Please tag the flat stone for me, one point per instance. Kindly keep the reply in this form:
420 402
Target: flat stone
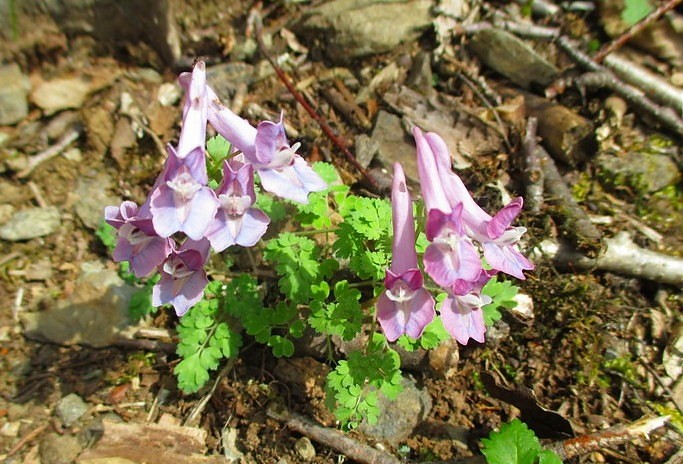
70 408
31 223
59 449
399 418
643 172
91 198
60 94
94 314
393 144
349 29
14 87
513 58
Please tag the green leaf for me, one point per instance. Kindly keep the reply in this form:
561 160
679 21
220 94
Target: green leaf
297 260
108 235
502 294
218 148
635 10
343 317
513 444
275 209
548 457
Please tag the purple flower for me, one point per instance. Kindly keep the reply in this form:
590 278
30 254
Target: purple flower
451 256
137 242
282 171
195 111
463 317
237 221
497 237
182 202
406 307
183 278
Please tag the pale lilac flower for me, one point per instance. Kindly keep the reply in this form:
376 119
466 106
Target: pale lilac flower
182 202
282 171
183 278
497 237
463 317
138 242
406 307
195 112
237 222
451 256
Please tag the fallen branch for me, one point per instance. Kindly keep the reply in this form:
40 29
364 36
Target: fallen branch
331 438
574 223
533 174
635 29
621 256
651 83
61 145
578 446
601 77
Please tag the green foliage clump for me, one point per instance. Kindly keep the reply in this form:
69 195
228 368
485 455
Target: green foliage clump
502 294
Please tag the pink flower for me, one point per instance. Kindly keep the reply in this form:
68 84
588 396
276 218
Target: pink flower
451 255
405 307
183 278
237 222
496 235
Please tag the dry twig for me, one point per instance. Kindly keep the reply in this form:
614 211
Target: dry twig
597 441
331 438
622 256
61 145
309 109
635 29
533 174
574 222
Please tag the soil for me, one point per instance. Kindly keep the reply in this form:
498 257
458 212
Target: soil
593 351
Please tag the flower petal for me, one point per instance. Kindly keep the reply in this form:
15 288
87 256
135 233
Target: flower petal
503 218
463 318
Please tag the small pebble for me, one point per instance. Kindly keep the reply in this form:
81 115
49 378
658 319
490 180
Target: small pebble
677 79
168 94
70 409
305 449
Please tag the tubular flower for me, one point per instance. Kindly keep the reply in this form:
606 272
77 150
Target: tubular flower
237 222
137 242
195 113
405 307
183 278
282 171
182 202
496 235
451 256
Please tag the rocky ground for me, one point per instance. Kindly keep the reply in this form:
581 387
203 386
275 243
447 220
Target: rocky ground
88 100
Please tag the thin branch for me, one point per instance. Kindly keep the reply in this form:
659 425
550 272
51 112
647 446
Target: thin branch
61 145
309 109
533 173
620 256
331 438
578 446
634 30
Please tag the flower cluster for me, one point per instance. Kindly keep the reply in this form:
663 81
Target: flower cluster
458 231
183 218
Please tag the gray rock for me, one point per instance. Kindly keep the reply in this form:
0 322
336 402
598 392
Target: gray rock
643 172
355 28
31 223
60 94
91 198
94 315
305 449
399 418
70 408
14 88
513 58
6 212
394 145
59 449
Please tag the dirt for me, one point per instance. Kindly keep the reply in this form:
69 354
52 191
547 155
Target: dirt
582 320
